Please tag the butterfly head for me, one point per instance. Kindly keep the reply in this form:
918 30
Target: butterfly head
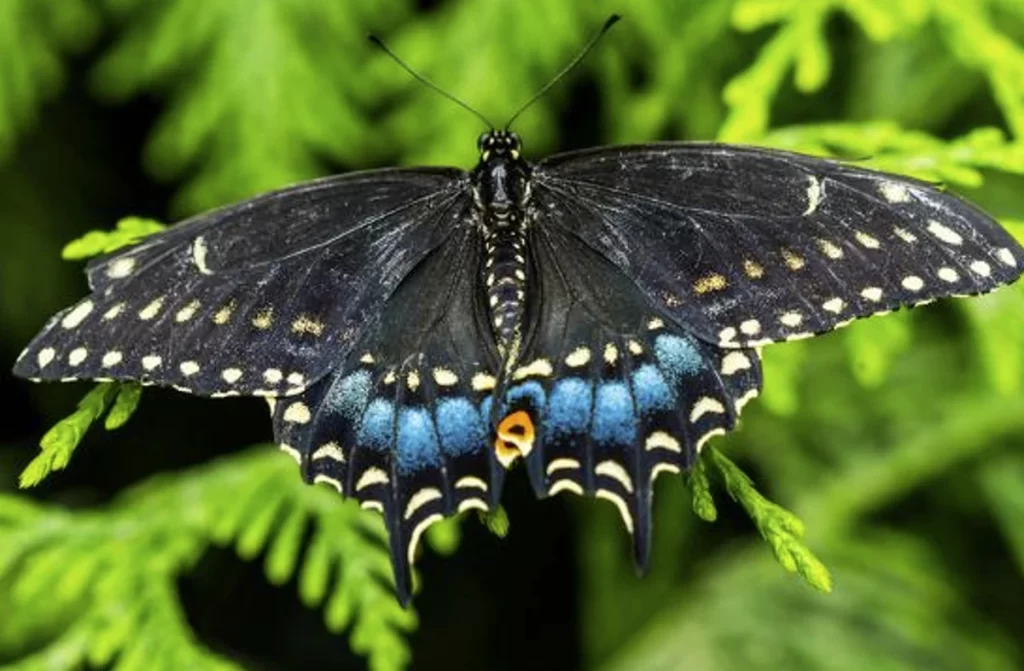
501 143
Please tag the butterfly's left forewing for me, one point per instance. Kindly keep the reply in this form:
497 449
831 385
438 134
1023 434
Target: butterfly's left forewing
748 246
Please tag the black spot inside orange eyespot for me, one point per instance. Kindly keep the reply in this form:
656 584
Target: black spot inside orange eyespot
515 436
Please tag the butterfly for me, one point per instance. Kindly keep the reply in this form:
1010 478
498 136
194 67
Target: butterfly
597 315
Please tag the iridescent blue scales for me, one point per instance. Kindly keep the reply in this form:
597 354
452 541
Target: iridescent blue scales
594 316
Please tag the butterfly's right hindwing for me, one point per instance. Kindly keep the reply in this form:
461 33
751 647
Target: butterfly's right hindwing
260 298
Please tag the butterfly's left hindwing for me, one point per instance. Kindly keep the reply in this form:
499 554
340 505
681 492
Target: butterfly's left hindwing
403 425
260 298
748 246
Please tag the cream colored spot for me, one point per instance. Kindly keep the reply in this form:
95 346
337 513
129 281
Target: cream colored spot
297 413
793 260
663 468
470 482
231 375
330 451
370 504
389 377
307 325
611 354
912 283
472 504
944 233
264 319
753 269
113 312
151 361
187 312
706 405
367 359
873 294
635 348
726 336
45 356
981 268
742 401
830 249
799 336
420 499
947 274
894 192
905 235
77 356
151 310
75 317
296 379
111 358
565 486
224 314
814 194
655 324
320 477
866 240
1006 256
189 368
121 267
709 283
291 452
412 380
273 376
620 503
445 378
520 275
791 319
417 532
199 252
733 362
663 441
708 436
615 471
370 477
578 357
537 367
562 463
834 305
483 382
750 327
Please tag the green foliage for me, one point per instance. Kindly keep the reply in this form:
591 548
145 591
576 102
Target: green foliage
885 437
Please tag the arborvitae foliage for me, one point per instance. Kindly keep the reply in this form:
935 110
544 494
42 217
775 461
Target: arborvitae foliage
896 441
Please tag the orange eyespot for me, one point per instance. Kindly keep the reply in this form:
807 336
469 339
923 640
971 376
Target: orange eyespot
515 437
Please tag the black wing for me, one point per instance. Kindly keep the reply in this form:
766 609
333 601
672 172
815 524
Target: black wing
748 246
263 297
403 424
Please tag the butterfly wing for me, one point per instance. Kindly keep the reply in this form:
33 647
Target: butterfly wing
748 246
615 395
263 297
403 424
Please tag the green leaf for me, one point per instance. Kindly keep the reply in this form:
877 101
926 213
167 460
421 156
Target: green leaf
128 231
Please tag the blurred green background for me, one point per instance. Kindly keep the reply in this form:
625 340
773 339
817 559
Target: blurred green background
183 542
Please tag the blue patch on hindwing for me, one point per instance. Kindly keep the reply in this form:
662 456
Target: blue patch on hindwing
614 419
348 397
530 391
377 428
677 357
417 442
460 426
651 391
569 407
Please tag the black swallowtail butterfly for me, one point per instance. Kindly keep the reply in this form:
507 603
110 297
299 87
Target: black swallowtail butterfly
597 314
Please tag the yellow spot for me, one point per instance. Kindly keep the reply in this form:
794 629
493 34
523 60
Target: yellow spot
75 317
413 380
912 283
414 538
948 275
264 319
750 327
291 452
121 267
272 376
560 464
113 312
615 471
45 356
77 356
224 314
791 319
296 379
753 269
659 440
565 486
308 325
151 310
578 357
189 368
708 436
746 398
111 358
834 305
420 499
709 283
389 377
470 482
445 378
706 405
620 503
231 375
830 249
733 362
1006 256
793 261
199 252
813 195
320 477
536 368
663 468
867 240
514 439
905 235
483 382
611 353
297 413
944 233
370 477
367 359
635 348
873 294
472 504
151 361
655 324
981 268
894 192
187 312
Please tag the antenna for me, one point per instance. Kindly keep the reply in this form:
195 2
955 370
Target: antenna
612 20
426 82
